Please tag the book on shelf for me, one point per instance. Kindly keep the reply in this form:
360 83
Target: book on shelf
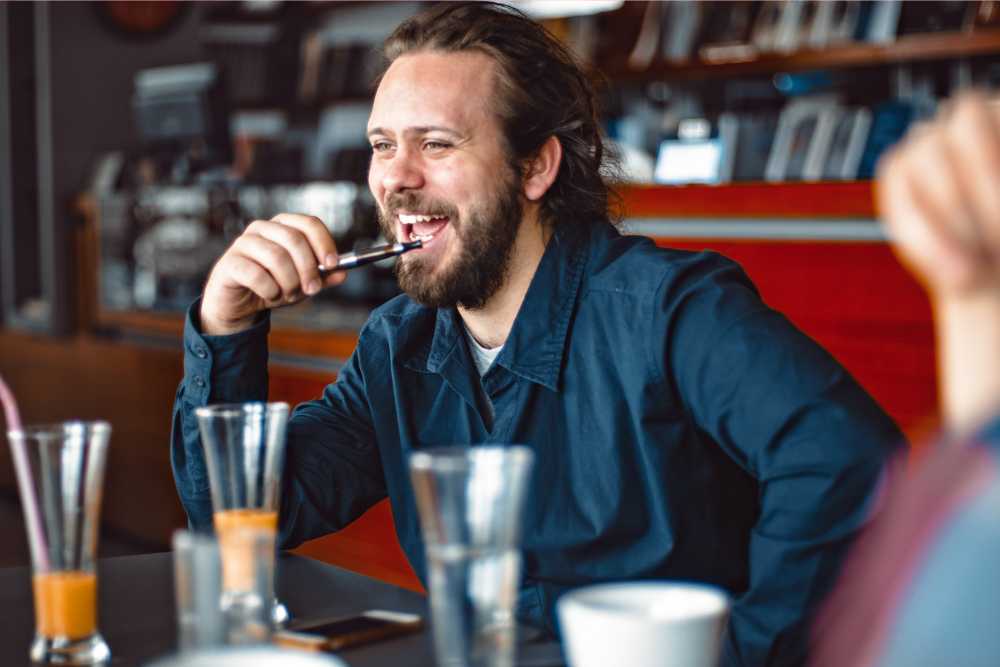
729 126
833 22
802 140
881 21
800 24
754 136
890 120
764 36
643 51
726 29
796 16
847 144
681 29
936 16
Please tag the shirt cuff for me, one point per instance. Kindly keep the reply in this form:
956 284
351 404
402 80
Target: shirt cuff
231 368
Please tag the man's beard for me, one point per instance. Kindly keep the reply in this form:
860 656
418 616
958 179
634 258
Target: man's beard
485 237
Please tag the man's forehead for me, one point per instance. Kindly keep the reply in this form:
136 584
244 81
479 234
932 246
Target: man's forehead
434 90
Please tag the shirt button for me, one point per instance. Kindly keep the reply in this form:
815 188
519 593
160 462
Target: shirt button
200 352
199 381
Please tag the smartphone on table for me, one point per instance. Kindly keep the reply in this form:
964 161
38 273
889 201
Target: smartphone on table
334 634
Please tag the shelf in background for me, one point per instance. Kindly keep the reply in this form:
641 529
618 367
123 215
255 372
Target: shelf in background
910 48
822 200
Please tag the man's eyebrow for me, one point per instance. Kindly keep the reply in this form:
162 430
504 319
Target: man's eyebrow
417 130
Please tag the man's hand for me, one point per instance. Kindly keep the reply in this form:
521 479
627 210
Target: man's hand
939 195
273 263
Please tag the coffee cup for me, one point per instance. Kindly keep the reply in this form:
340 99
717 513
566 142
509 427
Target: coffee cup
643 624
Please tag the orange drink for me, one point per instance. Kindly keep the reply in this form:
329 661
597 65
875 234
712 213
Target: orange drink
234 528
65 604
244 445
63 461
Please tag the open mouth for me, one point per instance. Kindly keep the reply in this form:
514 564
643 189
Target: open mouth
421 226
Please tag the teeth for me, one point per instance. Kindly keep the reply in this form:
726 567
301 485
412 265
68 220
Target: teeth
412 219
421 237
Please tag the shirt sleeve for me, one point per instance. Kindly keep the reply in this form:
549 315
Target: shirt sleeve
786 412
217 369
332 470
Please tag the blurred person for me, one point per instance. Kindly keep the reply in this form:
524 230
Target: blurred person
923 586
681 428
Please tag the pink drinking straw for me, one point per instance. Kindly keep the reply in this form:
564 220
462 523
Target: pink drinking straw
28 499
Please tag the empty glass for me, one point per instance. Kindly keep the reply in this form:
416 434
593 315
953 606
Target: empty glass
197 591
244 446
470 502
61 474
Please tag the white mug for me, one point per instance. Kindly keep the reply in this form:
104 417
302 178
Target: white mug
643 624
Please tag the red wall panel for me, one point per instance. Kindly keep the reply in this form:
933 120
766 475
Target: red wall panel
858 302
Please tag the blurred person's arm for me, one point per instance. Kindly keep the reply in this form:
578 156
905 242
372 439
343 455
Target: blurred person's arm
939 195
921 587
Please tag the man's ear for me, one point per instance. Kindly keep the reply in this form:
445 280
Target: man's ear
541 170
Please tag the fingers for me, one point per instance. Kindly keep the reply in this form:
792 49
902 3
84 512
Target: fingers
974 134
275 260
937 184
252 276
273 263
916 237
321 243
939 194
289 249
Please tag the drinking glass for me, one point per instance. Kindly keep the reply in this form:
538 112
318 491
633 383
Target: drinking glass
244 446
61 474
197 591
470 501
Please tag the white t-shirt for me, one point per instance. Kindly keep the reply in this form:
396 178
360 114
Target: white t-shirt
482 356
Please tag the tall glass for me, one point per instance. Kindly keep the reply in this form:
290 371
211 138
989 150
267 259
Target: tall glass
244 446
470 502
61 471
202 623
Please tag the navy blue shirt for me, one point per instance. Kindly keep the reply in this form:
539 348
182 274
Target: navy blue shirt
681 429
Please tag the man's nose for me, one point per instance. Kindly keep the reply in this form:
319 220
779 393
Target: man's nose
402 172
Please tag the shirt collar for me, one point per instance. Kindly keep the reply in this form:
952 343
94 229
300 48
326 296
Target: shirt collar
535 347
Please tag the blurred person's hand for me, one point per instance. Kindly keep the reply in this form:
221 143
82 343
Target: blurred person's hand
939 194
273 263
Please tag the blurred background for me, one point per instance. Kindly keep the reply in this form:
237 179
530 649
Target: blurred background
137 139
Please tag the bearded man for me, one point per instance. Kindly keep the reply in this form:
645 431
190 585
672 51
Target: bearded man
681 428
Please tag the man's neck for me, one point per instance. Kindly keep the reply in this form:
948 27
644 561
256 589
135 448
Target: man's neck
491 324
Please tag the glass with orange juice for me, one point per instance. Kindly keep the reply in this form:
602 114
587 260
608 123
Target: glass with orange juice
60 469
244 445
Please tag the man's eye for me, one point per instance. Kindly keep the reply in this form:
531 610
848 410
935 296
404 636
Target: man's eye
436 145
381 146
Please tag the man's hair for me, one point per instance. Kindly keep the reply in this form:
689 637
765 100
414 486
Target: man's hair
542 92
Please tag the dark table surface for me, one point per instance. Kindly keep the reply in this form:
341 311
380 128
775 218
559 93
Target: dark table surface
136 612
